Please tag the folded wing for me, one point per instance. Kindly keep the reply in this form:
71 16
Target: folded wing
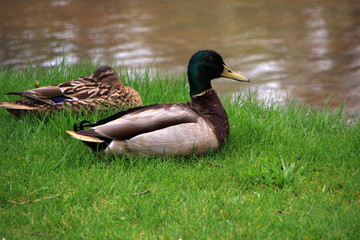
43 94
75 89
141 120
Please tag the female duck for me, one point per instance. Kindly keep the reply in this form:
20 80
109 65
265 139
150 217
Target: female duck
175 129
102 90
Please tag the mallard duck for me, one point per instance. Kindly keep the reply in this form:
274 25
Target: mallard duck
102 90
175 129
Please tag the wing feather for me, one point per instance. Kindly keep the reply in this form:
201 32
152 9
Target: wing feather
144 120
81 88
43 94
70 89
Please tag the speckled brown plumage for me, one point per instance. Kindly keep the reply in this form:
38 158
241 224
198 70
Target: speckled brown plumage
103 90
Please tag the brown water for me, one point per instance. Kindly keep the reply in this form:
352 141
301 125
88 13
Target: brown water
303 49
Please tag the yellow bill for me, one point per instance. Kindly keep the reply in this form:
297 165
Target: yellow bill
228 73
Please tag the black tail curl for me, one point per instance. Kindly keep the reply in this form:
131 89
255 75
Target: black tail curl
97 147
80 126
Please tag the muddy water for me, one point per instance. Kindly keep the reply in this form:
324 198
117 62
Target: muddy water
303 49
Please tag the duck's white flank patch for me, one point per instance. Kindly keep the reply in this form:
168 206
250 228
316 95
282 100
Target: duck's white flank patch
180 139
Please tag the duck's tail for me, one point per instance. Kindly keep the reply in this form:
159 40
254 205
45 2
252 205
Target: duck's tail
84 137
96 142
14 106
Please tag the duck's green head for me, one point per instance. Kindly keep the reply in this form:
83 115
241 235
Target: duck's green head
206 65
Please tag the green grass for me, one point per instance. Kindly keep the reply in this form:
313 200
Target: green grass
286 172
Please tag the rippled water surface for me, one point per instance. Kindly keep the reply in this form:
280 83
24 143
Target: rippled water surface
303 49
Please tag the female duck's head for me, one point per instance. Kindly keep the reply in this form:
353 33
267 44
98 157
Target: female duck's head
106 74
206 65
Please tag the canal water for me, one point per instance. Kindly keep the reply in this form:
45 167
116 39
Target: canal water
307 50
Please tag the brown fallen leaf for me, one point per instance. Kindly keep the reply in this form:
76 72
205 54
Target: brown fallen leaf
37 200
281 211
42 234
141 193
213 164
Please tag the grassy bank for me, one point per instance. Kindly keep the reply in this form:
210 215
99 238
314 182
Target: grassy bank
285 172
